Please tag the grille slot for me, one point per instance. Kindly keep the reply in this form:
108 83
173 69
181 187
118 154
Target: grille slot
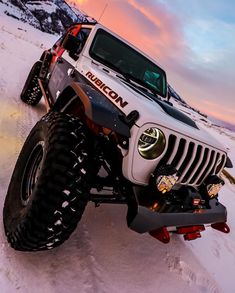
186 160
169 151
194 161
192 168
201 167
179 153
208 167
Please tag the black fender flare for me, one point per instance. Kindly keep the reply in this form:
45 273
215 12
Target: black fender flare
228 163
96 106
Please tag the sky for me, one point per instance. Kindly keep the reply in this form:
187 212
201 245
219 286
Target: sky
194 41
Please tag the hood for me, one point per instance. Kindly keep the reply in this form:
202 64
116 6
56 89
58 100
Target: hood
127 99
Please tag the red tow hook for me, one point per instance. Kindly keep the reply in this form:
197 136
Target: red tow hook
222 227
161 234
191 232
192 236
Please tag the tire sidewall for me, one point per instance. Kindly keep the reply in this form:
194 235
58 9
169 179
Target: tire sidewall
13 202
61 191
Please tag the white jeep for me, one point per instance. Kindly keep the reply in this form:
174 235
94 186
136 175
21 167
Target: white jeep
110 136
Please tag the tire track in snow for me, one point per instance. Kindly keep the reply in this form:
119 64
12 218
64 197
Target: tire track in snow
94 282
189 269
73 267
21 37
192 277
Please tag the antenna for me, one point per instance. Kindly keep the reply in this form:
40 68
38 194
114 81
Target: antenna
102 13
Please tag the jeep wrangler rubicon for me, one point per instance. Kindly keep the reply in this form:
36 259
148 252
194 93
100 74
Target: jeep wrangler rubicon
110 136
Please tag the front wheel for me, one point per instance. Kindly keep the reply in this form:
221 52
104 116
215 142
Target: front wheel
49 187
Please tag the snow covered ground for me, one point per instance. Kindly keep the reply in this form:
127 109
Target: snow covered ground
103 255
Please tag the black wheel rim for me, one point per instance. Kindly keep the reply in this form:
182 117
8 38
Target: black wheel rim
31 173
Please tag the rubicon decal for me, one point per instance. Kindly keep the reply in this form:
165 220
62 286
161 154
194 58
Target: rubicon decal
106 90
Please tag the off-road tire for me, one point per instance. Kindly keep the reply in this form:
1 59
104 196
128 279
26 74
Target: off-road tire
31 93
45 218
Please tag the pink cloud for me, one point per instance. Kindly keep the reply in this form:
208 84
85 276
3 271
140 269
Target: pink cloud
150 26
169 35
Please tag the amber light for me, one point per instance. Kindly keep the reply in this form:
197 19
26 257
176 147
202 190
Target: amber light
165 183
154 206
213 186
213 189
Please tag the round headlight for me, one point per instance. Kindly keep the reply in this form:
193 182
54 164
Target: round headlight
151 143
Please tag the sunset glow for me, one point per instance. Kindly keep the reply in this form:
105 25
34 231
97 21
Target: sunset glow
194 44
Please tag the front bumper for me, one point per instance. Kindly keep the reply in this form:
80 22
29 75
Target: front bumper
141 218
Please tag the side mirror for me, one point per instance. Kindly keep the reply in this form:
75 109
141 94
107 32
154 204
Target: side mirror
73 45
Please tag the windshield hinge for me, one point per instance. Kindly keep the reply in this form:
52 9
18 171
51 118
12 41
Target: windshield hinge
131 118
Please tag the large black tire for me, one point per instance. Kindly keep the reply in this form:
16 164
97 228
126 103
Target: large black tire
49 187
31 93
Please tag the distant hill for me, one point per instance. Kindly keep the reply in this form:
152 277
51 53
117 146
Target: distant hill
51 16
177 97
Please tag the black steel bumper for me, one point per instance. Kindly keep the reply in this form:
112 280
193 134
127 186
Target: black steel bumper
143 219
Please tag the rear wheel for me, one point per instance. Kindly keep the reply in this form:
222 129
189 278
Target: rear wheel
31 93
49 187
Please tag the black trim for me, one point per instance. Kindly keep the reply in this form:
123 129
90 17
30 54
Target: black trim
131 118
229 163
101 111
141 218
83 23
97 108
173 112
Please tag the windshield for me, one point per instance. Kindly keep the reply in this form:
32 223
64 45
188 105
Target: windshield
114 53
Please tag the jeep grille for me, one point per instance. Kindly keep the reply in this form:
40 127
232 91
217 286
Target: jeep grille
193 160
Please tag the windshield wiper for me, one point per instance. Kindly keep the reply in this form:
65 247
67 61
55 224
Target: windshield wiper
141 83
130 78
133 80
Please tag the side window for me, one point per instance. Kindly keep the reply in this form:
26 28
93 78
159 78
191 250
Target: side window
57 48
77 42
82 37
73 31
83 34
74 48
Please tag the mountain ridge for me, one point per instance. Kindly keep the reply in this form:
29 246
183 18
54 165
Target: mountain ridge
50 16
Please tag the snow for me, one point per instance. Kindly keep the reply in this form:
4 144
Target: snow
102 255
19 13
47 6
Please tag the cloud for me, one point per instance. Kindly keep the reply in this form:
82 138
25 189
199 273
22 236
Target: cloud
149 25
167 26
218 110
